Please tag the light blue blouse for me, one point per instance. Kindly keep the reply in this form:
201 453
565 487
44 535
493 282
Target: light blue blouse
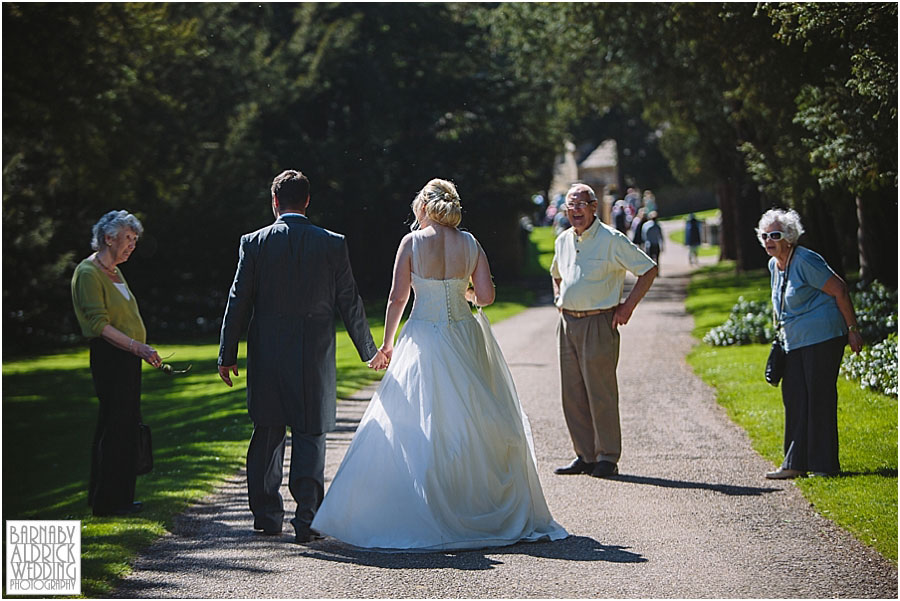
810 315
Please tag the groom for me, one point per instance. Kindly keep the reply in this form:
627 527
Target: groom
290 277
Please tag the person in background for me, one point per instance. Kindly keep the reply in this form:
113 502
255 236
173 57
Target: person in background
620 216
649 201
692 237
818 321
653 237
637 235
108 314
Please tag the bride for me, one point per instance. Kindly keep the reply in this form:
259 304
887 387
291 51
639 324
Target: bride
443 457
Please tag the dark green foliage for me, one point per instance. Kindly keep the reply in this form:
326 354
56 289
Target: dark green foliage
183 114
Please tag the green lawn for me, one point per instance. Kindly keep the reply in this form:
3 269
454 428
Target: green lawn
864 498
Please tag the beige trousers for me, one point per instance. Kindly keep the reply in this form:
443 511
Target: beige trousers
588 354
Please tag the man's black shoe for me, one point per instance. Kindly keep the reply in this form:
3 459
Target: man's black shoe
267 530
605 469
579 466
308 536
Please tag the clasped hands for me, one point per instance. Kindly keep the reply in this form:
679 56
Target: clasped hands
382 358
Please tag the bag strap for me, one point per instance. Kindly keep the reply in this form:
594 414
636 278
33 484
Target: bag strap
777 318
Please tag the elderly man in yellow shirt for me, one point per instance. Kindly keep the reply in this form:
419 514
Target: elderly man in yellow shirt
588 273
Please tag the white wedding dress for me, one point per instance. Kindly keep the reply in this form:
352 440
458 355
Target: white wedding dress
443 457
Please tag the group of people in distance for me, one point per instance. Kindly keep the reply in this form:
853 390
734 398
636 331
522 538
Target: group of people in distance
443 457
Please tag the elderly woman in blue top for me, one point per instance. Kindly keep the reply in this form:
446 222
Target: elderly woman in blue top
818 321
108 315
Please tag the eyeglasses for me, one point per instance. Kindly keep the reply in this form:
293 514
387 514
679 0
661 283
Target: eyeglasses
577 205
773 236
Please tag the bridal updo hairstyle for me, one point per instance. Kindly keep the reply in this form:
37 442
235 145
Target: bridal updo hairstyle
440 201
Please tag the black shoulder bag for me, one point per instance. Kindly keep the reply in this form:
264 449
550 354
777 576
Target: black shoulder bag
777 355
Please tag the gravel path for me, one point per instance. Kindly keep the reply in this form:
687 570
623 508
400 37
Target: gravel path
690 516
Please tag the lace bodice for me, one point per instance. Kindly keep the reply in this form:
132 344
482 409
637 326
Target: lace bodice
441 300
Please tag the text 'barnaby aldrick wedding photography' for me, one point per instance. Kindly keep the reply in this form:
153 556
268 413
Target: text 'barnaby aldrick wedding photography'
43 557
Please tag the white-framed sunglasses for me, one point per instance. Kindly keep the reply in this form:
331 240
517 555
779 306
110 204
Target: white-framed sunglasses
578 205
773 236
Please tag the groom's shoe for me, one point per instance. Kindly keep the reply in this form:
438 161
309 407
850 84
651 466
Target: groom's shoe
308 535
269 530
579 466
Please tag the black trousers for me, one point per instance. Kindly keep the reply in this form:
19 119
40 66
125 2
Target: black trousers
265 466
117 383
809 393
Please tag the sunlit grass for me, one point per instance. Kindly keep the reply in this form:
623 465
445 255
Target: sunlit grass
864 498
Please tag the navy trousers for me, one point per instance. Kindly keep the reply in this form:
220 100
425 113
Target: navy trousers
306 479
809 393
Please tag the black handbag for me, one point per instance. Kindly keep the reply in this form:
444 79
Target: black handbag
775 363
144 460
777 355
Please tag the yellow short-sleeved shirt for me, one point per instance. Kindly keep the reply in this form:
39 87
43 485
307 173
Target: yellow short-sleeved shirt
592 267
97 303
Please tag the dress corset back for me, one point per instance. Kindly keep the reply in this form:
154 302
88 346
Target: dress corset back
440 301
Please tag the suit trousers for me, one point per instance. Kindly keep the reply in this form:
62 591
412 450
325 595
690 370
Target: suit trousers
809 394
117 382
265 467
588 355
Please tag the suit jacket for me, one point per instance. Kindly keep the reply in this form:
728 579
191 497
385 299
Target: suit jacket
290 277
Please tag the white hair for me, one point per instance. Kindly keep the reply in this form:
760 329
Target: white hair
110 225
578 188
788 220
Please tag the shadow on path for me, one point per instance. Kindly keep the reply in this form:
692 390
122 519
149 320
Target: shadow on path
573 548
727 489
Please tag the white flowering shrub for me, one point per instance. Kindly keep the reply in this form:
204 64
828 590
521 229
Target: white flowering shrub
876 311
749 322
875 366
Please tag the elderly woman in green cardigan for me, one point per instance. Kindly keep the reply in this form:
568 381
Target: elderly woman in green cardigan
108 315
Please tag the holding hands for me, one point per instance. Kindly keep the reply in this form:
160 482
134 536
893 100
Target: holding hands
382 358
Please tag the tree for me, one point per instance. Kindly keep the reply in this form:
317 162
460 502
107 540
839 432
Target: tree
183 114
849 114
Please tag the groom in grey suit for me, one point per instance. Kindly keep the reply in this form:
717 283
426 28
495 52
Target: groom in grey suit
290 277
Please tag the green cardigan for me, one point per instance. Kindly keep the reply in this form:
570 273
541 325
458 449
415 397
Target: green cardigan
98 302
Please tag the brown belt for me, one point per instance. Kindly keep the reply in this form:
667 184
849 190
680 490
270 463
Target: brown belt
580 314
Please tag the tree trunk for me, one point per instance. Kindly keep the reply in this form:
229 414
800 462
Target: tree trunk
750 254
726 198
877 234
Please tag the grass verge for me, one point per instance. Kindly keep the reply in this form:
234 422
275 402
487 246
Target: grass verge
864 498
